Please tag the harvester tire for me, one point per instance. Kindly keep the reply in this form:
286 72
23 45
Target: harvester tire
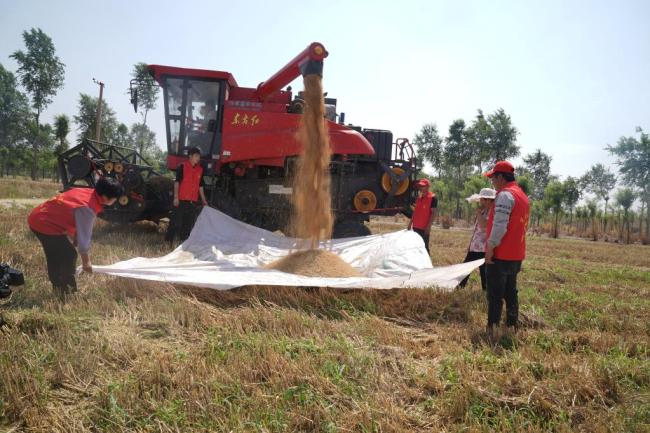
350 229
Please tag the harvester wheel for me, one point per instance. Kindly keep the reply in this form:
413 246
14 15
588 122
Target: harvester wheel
365 201
349 229
387 182
123 200
108 166
118 167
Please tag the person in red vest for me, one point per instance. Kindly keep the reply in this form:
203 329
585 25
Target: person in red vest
506 244
64 225
188 188
424 212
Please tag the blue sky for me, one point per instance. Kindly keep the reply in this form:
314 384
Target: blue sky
574 75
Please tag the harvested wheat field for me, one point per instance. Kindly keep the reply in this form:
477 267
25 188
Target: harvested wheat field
123 356
314 263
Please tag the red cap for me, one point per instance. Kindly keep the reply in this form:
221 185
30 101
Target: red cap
500 167
422 182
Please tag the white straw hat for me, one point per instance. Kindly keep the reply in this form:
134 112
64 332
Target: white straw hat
485 193
488 193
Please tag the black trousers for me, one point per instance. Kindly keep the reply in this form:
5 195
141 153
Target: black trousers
502 285
470 257
425 238
182 220
61 257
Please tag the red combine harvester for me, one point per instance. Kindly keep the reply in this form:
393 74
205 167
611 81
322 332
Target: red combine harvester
249 147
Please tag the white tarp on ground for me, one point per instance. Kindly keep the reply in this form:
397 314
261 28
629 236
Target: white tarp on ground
223 253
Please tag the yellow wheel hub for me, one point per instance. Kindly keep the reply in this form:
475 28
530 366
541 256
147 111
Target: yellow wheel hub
387 183
123 201
365 200
108 166
119 167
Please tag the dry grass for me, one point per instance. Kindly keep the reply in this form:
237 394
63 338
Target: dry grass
131 356
22 188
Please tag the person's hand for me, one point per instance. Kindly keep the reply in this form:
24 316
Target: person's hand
489 254
87 267
205 202
410 226
176 202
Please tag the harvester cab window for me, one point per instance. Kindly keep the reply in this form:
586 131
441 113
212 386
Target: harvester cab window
174 104
193 107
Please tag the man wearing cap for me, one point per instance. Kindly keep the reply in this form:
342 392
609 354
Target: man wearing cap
476 249
188 188
424 211
506 244
64 225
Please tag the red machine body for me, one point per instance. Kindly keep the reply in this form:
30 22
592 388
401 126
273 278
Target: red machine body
256 127
248 142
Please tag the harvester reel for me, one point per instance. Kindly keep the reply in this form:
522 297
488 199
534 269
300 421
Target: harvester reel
132 179
79 166
365 201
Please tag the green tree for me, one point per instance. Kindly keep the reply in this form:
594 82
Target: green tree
478 135
41 74
600 181
502 144
473 185
625 198
457 156
14 117
61 131
86 119
46 162
538 164
121 136
146 88
429 146
633 159
592 213
554 197
525 182
144 139
572 193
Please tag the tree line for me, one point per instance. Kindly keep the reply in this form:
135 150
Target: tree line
597 204
27 145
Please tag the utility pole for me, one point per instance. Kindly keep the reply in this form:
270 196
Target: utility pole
98 126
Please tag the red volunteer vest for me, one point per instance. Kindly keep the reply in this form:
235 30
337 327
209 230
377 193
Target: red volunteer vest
56 216
513 244
422 211
188 189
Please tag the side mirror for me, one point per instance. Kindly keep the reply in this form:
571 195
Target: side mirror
134 98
